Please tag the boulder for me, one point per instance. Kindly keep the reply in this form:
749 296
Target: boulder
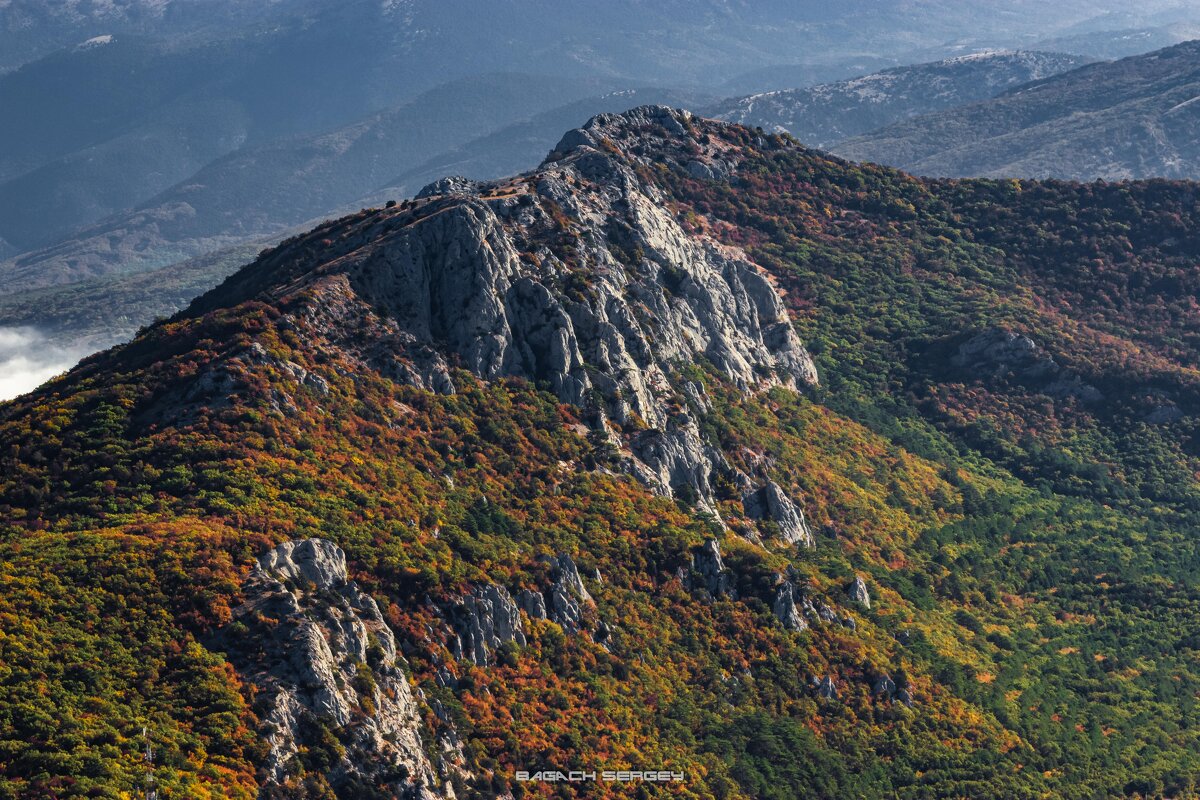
770 502
708 568
859 593
785 607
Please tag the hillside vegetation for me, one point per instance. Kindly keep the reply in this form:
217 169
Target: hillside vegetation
1001 446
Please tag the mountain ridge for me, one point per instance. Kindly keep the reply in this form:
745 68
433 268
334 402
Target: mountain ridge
1119 120
823 115
545 425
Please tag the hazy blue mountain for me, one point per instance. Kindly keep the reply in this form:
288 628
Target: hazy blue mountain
1132 118
130 97
30 29
666 39
255 191
1109 44
825 114
778 77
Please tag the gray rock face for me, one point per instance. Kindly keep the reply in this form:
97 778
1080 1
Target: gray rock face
710 572
1163 414
772 503
1004 350
679 461
451 184
477 277
826 688
532 603
567 595
785 608
319 652
859 593
568 577
884 687
602 634
316 562
484 620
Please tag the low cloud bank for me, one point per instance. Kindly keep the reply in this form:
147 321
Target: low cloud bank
28 359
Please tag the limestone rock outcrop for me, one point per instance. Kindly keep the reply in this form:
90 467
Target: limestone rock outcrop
576 276
884 687
859 593
567 595
825 688
320 654
785 608
533 603
1001 353
770 502
484 620
710 573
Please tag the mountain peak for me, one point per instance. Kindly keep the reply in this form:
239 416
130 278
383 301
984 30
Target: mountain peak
614 126
660 137
576 276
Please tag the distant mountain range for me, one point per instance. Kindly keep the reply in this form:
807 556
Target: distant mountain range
1133 118
822 115
261 189
114 277
97 284
667 40
1109 44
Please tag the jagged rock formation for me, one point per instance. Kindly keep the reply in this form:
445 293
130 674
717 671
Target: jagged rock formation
710 573
884 687
785 608
484 620
825 688
859 593
320 654
575 276
771 503
452 758
568 595
602 634
533 603
451 184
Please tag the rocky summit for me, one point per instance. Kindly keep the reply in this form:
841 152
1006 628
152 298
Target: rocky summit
469 276
691 451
